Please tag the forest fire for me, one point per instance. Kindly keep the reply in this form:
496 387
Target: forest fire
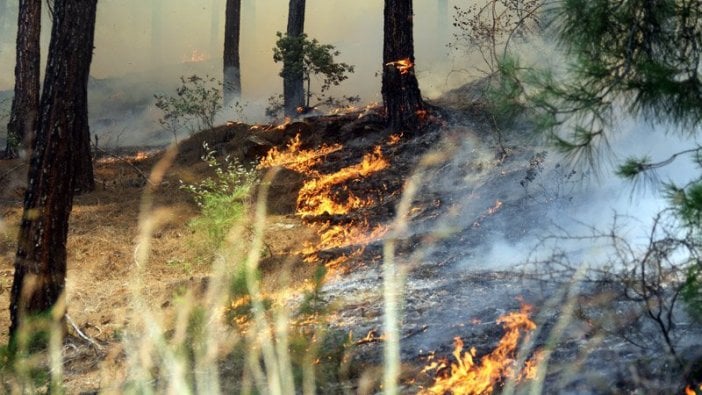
468 377
296 159
403 65
342 236
317 196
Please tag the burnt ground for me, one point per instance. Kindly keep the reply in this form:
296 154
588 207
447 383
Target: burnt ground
477 213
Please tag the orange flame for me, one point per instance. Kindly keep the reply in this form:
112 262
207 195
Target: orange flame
316 195
340 236
469 377
691 391
294 158
403 65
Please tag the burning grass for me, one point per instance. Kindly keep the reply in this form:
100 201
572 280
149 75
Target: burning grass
470 377
317 195
293 157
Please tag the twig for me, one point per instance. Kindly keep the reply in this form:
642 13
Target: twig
81 334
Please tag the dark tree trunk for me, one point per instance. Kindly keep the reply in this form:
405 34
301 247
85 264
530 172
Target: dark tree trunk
40 264
403 103
232 71
25 104
293 82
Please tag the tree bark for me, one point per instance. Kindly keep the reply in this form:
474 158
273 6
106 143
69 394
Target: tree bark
232 70
293 79
402 99
40 263
25 104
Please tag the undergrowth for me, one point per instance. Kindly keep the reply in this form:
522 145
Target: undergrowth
223 200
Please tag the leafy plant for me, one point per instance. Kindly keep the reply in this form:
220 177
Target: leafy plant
312 59
222 199
194 107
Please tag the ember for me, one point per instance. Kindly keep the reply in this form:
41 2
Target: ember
469 377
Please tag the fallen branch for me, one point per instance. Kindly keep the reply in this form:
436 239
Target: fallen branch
83 335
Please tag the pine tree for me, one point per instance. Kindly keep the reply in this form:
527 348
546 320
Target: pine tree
232 67
40 264
25 104
401 96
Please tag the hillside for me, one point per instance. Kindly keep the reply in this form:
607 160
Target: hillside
334 203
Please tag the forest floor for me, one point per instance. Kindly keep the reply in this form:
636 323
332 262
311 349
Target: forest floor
473 191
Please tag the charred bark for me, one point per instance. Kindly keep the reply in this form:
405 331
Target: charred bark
232 69
293 78
402 99
40 263
25 104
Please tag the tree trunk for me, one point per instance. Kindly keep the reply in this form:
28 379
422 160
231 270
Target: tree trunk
293 84
40 264
232 71
25 104
401 97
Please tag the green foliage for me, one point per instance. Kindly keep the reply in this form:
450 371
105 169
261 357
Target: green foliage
194 107
692 290
307 57
222 199
312 302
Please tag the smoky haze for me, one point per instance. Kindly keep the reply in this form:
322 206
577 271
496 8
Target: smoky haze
136 36
143 47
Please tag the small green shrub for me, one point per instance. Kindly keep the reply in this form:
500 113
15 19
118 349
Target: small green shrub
222 199
194 107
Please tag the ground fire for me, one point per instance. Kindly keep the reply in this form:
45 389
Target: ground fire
317 195
470 377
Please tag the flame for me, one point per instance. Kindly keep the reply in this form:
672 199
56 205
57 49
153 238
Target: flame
341 236
294 158
317 197
403 65
469 377
691 391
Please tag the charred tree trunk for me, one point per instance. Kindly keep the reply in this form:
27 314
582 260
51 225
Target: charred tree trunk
293 79
232 70
25 104
401 97
40 264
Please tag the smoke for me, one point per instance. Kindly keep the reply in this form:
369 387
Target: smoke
141 48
